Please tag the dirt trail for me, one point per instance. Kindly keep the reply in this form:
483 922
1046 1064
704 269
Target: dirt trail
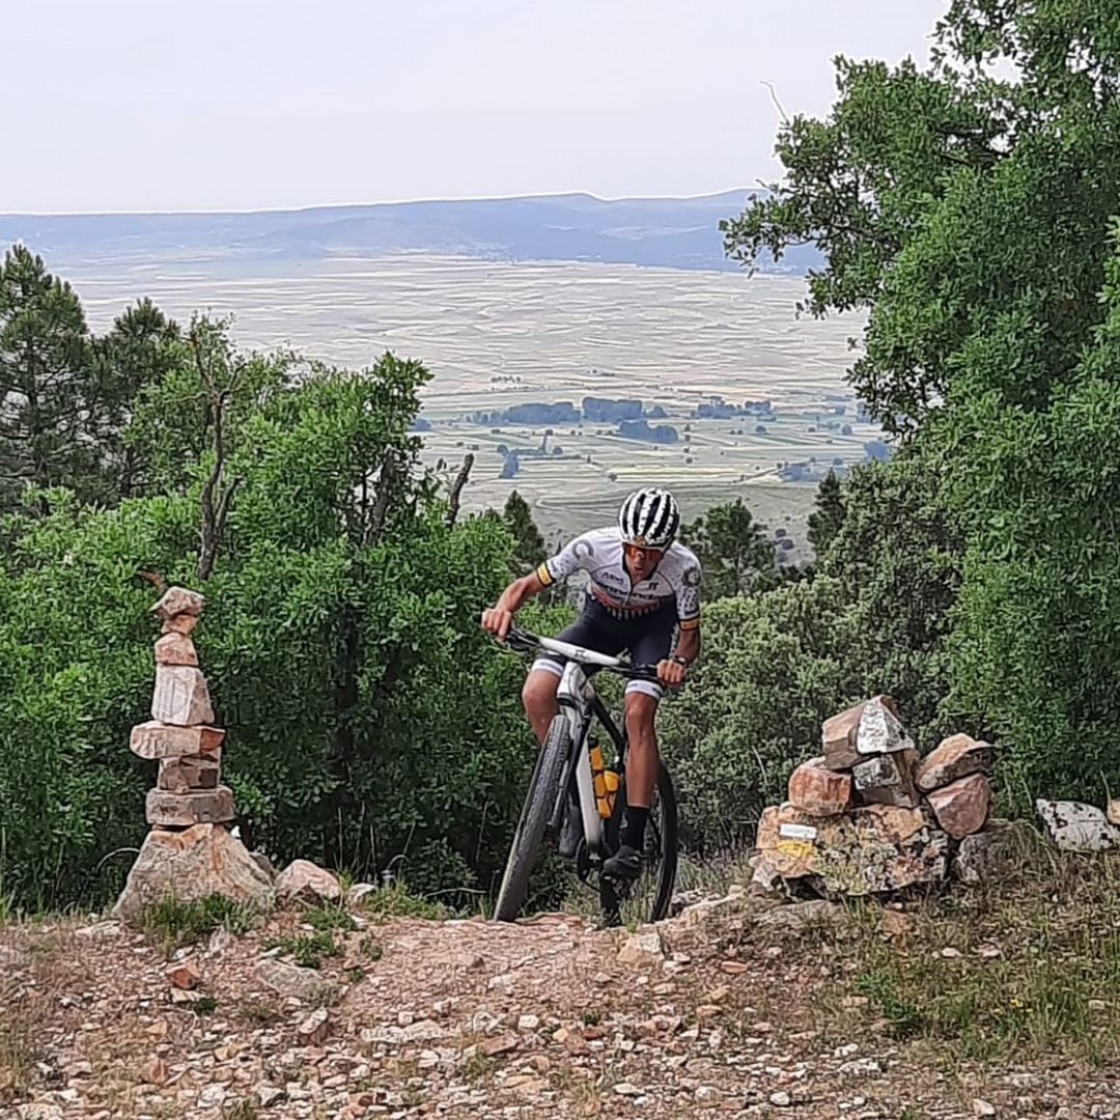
713 1014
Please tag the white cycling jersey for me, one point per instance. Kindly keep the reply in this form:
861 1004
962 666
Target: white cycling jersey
600 554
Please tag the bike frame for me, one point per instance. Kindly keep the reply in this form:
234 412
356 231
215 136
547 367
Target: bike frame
578 702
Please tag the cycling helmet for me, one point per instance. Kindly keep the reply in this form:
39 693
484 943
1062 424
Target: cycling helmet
649 518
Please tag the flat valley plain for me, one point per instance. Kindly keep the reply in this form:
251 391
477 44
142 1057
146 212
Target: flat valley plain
497 334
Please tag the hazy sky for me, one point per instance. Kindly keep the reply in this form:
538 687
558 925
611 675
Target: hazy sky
246 104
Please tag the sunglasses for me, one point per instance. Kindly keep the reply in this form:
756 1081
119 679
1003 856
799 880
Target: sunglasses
639 550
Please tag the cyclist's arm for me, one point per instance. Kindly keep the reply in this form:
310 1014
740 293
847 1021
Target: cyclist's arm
499 618
519 592
688 644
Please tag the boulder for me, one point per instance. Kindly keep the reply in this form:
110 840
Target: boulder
182 810
840 733
304 880
870 850
154 739
1076 827
175 649
181 775
181 696
177 601
191 865
818 791
985 856
888 779
963 806
953 758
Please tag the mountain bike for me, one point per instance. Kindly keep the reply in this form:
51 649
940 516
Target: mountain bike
569 796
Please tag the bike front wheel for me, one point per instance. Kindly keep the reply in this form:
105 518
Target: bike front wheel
540 800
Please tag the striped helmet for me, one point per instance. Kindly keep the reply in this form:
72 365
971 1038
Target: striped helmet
649 518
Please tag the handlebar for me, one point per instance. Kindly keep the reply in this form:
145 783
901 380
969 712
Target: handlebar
523 641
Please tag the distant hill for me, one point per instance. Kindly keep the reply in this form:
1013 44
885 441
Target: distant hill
666 232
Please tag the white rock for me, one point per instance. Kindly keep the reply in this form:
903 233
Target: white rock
880 731
1077 827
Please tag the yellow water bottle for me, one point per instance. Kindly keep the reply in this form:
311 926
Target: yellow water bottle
599 780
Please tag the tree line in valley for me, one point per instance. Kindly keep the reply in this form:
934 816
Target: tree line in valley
969 207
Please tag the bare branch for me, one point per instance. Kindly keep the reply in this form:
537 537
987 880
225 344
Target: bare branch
457 489
777 103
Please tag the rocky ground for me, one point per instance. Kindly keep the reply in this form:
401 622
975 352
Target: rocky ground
742 1007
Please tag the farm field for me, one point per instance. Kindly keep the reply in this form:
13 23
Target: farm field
496 335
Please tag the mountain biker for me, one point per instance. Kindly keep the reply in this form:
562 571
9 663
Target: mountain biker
644 590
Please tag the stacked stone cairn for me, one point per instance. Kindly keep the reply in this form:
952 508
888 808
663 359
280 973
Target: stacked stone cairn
869 816
188 852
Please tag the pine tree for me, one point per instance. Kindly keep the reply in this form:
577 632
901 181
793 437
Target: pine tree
827 518
45 437
530 550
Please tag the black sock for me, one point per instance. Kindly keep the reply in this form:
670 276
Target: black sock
633 831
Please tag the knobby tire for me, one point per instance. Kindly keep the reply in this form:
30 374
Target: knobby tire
539 803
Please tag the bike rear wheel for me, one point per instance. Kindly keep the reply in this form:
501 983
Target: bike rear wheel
649 897
540 800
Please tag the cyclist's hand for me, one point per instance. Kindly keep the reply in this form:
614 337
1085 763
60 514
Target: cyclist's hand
671 673
497 622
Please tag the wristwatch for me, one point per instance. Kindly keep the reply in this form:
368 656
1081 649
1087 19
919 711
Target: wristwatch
680 660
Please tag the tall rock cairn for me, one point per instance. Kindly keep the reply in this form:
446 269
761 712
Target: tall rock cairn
188 853
181 734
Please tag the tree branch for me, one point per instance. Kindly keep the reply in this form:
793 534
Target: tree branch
457 489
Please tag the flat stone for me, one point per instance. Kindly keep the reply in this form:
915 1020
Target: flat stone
181 696
642 948
888 779
306 984
1077 827
175 649
181 775
963 806
182 810
179 600
953 758
189 866
798 916
819 791
868 850
314 1029
303 879
839 734
155 739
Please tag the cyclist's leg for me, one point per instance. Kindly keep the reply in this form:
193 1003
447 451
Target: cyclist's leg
653 643
594 629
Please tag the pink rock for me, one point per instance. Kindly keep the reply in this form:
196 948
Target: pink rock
818 791
175 648
154 739
181 775
955 757
181 696
182 810
179 600
962 807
